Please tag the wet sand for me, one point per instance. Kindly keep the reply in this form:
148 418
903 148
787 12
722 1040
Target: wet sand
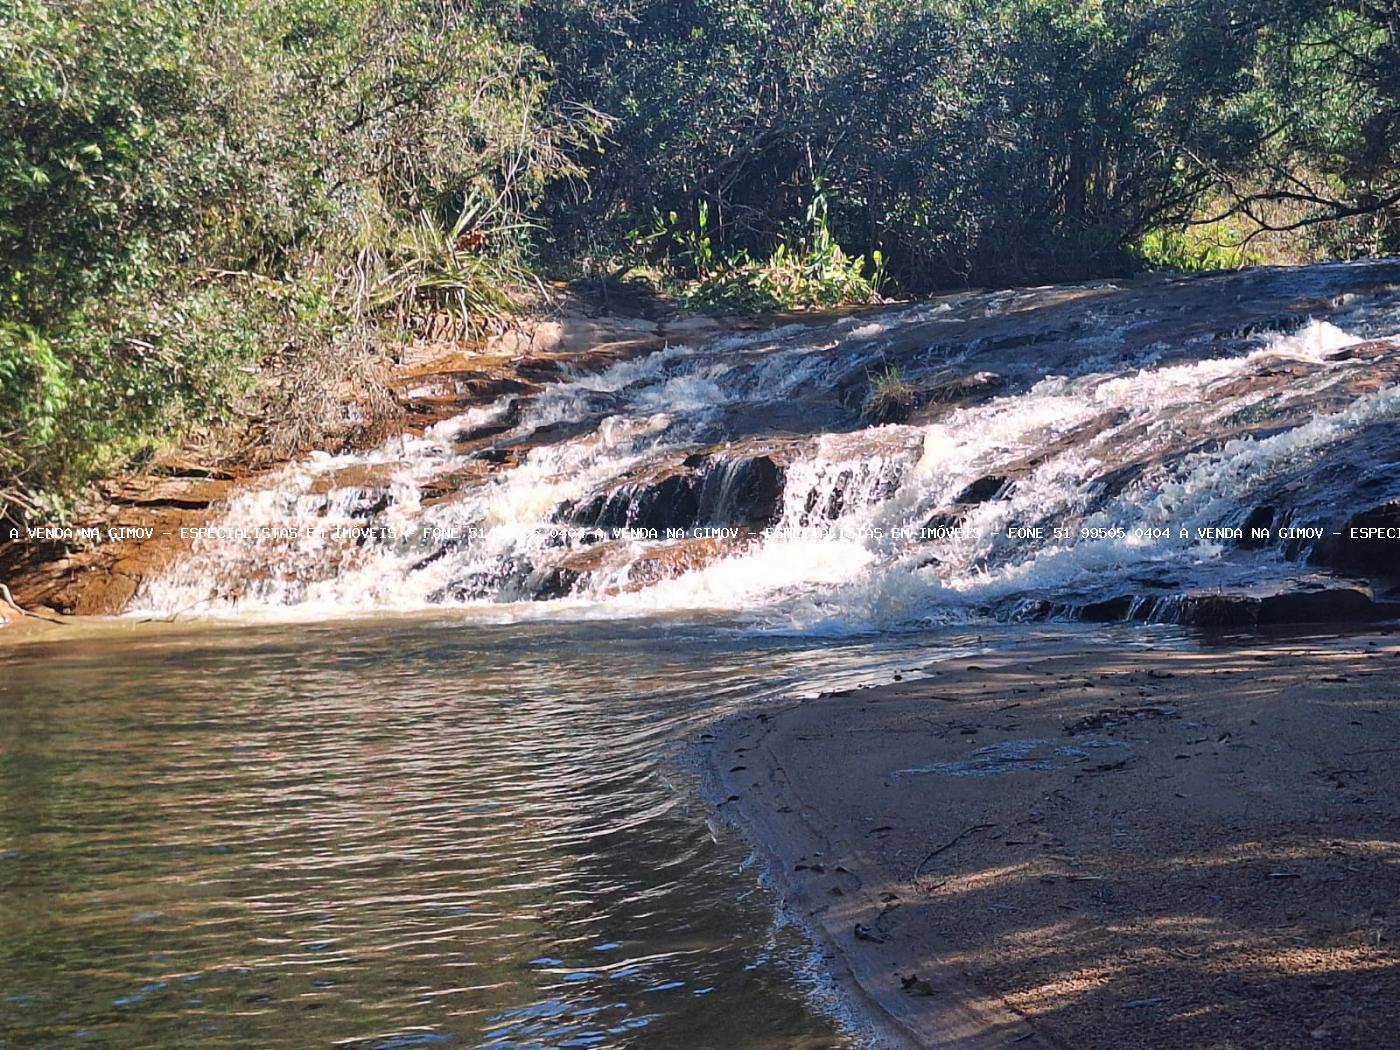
1097 847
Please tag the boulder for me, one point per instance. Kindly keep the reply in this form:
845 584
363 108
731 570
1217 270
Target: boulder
1347 548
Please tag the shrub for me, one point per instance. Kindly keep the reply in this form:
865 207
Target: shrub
189 191
815 272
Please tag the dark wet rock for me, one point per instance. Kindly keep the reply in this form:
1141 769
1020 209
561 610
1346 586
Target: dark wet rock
754 421
1307 603
672 501
437 555
1335 605
551 584
936 396
498 455
1160 579
943 519
983 489
1110 610
828 509
1019 340
746 491
551 434
701 491
965 389
368 503
1350 548
1034 610
1261 517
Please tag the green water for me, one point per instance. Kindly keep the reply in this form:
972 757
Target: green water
390 834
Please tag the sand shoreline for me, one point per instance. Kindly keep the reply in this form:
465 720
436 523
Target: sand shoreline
1095 848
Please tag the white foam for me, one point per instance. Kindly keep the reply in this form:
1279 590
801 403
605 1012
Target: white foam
1056 439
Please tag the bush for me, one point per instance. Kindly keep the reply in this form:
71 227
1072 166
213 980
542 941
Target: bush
188 191
990 141
816 272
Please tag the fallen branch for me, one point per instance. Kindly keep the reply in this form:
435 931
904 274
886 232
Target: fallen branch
918 870
10 601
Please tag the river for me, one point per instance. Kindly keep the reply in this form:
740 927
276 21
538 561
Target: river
394 832
466 823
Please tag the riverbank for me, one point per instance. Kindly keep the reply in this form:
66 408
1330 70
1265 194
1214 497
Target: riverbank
130 528
1096 847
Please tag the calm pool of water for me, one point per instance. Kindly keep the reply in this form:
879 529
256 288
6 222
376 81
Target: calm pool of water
391 834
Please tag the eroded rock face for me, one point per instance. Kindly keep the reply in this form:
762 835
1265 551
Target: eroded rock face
982 490
432 383
613 567
1330 606
100 576
1316 603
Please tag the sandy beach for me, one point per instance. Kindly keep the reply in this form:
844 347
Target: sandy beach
1097 847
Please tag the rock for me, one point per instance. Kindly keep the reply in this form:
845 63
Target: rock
105 594
1375 558
982 490
744 491
1110 610
711 490
1334 605
626 566
571 332
962 389
1261 517
552 583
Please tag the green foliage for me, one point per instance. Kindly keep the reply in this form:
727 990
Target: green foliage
189 190
431 274
815 272
1219 245
207 206
985 141
982 141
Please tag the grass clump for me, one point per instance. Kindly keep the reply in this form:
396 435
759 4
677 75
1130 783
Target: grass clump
889 397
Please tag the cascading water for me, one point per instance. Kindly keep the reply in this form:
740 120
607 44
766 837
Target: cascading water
1067 447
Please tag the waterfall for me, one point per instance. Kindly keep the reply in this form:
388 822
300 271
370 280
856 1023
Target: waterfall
1066 447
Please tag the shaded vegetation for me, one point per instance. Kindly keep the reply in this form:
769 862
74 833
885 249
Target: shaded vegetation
191 193
218 212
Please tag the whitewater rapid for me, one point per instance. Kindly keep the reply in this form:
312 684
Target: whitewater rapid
1106 471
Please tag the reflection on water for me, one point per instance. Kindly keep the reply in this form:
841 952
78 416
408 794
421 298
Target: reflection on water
387 835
